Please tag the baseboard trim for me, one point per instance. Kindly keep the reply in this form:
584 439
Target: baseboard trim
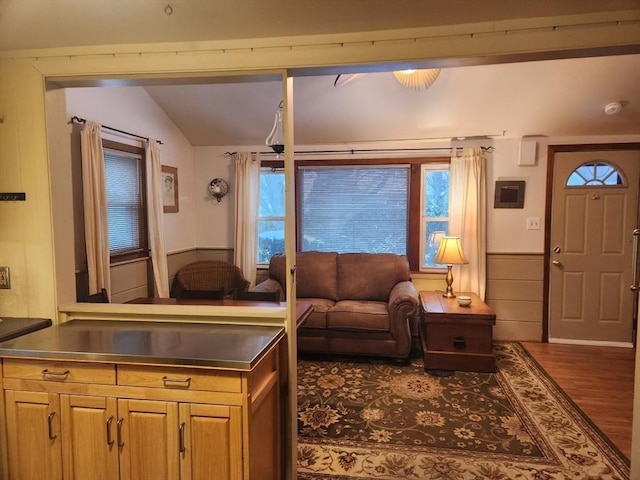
594 343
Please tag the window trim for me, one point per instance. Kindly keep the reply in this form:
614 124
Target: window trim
272 167
415 193
423 218
143 251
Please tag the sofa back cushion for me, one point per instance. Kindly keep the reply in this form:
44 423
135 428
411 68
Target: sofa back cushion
370 276
316 274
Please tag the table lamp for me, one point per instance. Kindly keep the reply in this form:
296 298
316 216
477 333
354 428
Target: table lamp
450 253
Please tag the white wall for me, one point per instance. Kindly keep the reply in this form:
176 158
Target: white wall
132 109
214 221
506 227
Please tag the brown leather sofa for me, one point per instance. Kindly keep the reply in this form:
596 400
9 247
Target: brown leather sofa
362 302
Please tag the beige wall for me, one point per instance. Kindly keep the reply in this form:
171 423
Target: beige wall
27 228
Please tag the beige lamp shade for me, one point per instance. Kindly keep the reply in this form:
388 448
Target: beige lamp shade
450 252
417 79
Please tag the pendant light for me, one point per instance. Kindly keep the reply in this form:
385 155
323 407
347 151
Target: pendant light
275 139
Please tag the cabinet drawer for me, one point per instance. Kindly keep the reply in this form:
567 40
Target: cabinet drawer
459 338
67 372
179 378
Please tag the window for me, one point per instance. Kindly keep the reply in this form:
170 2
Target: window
435 211
126 206
271 215
384 205
599 174
353 208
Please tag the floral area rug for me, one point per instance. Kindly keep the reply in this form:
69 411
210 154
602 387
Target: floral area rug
376 420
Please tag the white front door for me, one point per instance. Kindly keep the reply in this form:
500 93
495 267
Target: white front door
594 214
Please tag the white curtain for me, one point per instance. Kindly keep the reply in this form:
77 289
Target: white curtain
96 229
156 220
468 218
247 196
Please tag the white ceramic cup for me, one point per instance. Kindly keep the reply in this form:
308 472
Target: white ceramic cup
463 300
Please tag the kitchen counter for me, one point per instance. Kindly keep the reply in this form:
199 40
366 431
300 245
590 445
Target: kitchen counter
237 347
12 327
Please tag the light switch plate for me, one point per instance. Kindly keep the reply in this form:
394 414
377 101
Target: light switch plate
5 277
533 223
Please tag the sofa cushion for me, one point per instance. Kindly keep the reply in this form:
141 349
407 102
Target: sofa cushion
370 276
358 315
315 274
318 317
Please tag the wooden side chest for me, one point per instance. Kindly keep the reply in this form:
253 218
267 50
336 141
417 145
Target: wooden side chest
455 337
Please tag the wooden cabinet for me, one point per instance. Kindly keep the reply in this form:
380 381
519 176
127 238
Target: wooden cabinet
455 337
88 424
80 420
33 432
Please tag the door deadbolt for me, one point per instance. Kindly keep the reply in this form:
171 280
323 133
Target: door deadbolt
557 249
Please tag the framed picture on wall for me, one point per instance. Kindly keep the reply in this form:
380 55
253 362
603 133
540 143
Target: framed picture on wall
509 194
169 187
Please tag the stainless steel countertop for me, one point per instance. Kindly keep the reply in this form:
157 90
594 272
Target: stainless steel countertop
12 327
237 347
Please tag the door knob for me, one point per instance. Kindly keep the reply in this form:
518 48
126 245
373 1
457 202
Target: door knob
556 262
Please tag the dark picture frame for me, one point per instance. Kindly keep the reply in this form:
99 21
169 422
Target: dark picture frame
169 189
509 194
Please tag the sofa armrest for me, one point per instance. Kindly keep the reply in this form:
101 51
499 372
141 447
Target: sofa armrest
403 300
403 304
270 285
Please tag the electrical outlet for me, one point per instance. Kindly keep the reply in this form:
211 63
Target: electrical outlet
5 277
533 223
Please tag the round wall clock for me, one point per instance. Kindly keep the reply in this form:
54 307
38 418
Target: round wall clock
218 188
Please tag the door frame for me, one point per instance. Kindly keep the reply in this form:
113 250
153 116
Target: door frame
551 152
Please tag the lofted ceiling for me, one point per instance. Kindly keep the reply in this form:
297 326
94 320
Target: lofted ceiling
551 97
546 97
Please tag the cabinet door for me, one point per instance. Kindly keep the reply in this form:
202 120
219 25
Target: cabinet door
148 440
33 435
89 434
210 442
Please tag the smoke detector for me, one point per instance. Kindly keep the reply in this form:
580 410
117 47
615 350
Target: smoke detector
612 108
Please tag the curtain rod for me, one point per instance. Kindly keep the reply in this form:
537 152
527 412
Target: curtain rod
83 121
353 151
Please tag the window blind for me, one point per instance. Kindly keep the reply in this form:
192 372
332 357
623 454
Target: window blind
124 201
354 208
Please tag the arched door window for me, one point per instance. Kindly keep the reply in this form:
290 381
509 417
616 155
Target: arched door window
595 174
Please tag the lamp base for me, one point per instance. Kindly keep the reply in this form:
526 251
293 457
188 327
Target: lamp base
448 293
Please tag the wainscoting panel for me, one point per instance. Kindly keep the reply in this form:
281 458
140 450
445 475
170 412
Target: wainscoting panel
515 293
226 255
130 280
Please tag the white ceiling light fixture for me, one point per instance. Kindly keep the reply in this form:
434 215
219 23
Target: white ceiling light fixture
417 79
414 79
613 108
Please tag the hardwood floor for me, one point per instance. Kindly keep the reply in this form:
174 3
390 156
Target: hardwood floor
598 379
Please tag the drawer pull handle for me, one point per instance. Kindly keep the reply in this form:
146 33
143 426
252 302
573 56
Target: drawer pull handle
110 440
119 432
459 342
60 376
185 382
50 425
181 436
